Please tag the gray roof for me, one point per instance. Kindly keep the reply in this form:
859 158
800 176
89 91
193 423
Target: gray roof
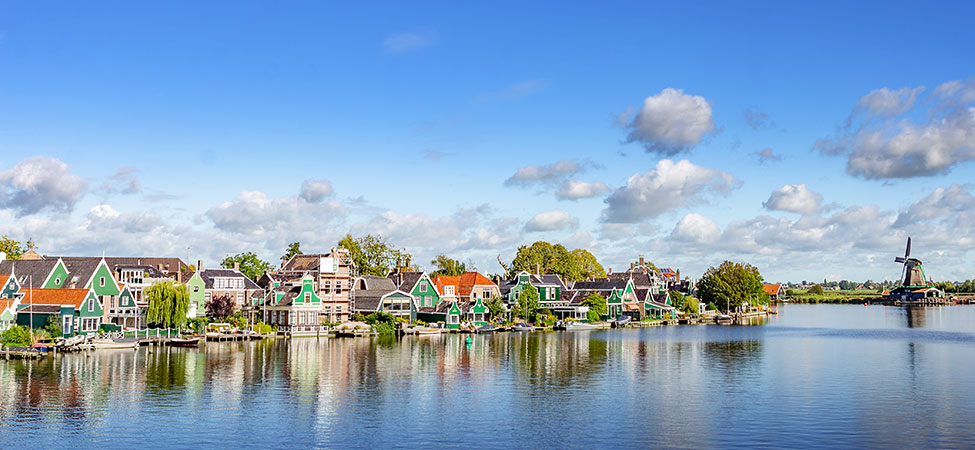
209 274
164 264
600 284
34 270
368 299
80 269
405 280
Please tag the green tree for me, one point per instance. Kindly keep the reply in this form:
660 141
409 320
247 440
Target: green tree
730 285
549 258
597 307
448 267
815 290
528 303
168 303
16 336
589 267
53 325
372 255
684 303
294 248
12 248
495 307
250 265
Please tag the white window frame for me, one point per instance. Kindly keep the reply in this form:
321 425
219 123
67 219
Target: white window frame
423 286
307 297
101 282
91 305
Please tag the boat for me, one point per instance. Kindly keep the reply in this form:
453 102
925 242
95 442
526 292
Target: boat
621 321
522 327
428 331
114 343
723 319
579 326
184 342
489 328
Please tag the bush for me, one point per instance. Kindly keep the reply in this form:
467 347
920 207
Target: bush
198 325
380 317
53 326
712 307
41 335
263 328
358 317
420 323
816 290
384 329
548 320
593 316
17 336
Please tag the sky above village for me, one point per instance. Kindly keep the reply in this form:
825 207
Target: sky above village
807 139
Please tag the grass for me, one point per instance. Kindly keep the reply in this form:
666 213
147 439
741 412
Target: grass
847 296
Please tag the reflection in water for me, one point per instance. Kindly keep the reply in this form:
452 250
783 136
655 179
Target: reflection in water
692 386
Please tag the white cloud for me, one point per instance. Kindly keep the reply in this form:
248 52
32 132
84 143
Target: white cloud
548 174
123 181
575 190
40 183
794 198
696 228
103 217
253 213
551 221
314 191
766 155
667 186
513 92
904 134
955 202
407 42
670 122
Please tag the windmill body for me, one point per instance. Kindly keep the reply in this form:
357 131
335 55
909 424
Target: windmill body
915 287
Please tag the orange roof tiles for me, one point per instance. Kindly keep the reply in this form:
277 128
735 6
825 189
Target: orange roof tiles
772 289
73 297
5 303
464 284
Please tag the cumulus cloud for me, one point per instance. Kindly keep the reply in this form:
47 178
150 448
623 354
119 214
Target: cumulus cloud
40 183
955 201
551 221
670 122
575 190
123 181
103 217
667 186
794 198
314 191
253 213
767 155
904 133
696 228
407 42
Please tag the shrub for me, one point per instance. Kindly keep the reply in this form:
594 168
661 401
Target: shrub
16 336
358 317
263 328
380 317
53 325
384 329
593 316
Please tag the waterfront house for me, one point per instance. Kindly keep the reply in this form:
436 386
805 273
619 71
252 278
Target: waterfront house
656 303
332 274
77 310
294 307
575 308
467 287
620 295
373 294
125 311
548 286
205 285
9 287
8 312
774 291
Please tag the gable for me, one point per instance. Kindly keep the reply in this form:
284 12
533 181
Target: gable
125 298
91 306
58 276
102 280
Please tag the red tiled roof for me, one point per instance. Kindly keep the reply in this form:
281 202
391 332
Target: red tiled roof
5 303
772 289
464 284
73 297
3 280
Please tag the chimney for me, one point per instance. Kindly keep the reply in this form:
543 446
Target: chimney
538 269
199 265
610 271
642 261
236 266
631 266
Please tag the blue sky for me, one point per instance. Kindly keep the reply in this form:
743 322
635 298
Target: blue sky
186 128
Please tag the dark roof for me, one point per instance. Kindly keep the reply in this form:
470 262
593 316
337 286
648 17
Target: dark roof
33 270
505 286
288 298
639 279
209 274
641 294
165 264
303 262
575 297
80 269
600 284
548 279
368 299
40 309
463 305
405 280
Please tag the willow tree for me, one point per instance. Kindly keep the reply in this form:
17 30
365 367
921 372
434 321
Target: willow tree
168 303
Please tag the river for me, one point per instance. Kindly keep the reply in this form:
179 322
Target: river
815 376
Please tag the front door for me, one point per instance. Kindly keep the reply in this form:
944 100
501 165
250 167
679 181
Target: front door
67 321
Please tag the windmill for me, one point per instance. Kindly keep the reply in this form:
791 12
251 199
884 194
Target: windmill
912 274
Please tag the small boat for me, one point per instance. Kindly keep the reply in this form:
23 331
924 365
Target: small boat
186 342
621 321
489 328
522 327
428 331
113 343
723 319
579 326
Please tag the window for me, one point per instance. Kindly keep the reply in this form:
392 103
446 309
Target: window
57 281
327 287
196 289
101 282
91 305
453 318
66 327
338 287
240 298
207 295
301 318
423 286
308 297
448 291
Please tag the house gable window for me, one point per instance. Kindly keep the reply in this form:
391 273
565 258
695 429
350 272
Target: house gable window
91 305
101 282
423 286
57 281
307 297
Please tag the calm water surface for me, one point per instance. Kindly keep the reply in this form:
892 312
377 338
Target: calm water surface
815 376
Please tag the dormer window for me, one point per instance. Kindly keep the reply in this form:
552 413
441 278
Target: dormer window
448 291
57 281
307 297
101 282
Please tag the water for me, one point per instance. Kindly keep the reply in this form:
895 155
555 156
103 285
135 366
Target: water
816 376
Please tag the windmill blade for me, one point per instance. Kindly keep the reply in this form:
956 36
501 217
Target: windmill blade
907 253
899 260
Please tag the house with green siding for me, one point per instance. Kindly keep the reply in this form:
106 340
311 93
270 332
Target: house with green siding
79 311
548 286
620 295
372 294
9 287
293 307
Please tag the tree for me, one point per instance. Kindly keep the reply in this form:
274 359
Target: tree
816 290
589 267
495 307
549 259
250 265
53 325
730 285
12 248
220 307
16 336
684 303
597 307
293 249
528 303
168 303
372 255
448 267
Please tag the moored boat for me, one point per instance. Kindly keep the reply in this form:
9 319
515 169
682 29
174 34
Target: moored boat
579 326
522 327
187 342
621 321
723 319
489 328
114 343
429 331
